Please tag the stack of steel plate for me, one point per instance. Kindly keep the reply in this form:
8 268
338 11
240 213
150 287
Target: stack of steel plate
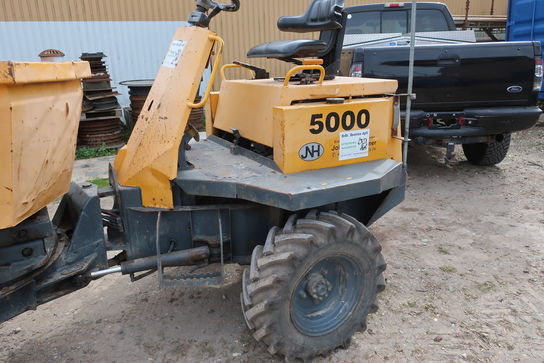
138 91
101 116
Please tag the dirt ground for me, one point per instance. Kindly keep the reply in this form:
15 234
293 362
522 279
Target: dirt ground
465 275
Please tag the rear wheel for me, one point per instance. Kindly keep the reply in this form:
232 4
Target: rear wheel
488 154
312 285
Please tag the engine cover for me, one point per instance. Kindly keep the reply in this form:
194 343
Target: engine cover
312 126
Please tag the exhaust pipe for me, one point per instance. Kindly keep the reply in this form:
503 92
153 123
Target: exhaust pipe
179 258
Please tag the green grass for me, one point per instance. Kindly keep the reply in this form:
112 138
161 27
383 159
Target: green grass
449 269
100 182
89 153
443 251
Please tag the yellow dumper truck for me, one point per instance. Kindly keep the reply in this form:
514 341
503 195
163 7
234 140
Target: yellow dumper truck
292 172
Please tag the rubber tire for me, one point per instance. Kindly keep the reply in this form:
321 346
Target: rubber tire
487 154
277 268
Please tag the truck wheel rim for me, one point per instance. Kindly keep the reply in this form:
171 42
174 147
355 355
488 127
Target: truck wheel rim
326 295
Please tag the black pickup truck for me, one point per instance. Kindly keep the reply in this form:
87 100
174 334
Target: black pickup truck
474 94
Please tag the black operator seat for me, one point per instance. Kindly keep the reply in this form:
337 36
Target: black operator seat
323 16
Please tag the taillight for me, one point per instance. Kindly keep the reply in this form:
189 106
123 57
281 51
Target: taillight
539 72
394 5
430 121
356 70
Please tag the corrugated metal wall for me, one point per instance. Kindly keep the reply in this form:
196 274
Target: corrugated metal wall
255 23
157 10
135 49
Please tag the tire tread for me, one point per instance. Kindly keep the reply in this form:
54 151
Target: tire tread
273 265
487 154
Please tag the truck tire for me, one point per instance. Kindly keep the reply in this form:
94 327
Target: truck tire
488 154
312 285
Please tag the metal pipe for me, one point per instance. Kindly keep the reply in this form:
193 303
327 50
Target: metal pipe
533 21
158 248
410 83
467 10
179 258
102 273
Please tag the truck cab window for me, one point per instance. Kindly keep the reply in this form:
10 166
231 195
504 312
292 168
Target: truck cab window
366 22
431 21
397 21
394 22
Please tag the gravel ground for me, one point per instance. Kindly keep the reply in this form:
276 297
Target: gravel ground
465 277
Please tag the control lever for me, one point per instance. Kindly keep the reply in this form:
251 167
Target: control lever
207 9
260 73
210 5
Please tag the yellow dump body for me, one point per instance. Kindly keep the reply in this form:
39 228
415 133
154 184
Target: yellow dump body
40 108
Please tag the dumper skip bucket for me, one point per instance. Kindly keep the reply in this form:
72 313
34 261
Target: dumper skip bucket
40 108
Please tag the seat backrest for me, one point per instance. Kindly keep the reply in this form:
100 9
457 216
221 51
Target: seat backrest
321 15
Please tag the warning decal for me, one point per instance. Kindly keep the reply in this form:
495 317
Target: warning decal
174 54
354 144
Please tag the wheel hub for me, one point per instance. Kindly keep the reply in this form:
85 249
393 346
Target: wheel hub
318 287
325 296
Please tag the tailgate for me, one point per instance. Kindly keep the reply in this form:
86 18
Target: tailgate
455 77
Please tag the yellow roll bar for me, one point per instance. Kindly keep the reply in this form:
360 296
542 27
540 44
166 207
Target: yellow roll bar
215 69
232 65
296 69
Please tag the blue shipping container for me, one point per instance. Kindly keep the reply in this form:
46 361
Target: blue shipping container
525 21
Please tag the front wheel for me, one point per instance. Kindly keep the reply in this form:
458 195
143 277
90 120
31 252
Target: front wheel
488 154
312 285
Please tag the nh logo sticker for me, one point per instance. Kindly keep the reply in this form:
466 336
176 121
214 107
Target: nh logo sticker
311 151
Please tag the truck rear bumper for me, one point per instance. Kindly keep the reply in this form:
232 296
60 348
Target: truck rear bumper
478 122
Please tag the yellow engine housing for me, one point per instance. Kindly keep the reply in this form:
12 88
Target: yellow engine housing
304 126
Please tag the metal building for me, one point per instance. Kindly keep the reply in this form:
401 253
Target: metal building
135 33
